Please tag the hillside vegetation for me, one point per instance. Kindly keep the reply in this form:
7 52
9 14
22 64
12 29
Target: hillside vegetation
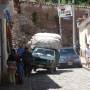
77 2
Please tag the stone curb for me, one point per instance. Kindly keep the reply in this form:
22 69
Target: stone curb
83 61
86 68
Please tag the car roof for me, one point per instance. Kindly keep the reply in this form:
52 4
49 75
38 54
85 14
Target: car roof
67 48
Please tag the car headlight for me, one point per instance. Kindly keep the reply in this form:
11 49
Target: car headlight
62 59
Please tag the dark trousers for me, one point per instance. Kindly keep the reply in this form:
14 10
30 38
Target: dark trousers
27 69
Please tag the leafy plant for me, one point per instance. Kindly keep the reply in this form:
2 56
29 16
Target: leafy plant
79 2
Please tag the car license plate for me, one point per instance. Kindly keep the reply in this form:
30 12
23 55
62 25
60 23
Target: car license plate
70 63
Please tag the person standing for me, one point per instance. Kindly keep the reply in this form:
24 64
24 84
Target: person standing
20 51
20 70
26 61
11 62
20 65
87 55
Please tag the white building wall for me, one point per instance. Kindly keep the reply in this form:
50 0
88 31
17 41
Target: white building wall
88 35
4 47
82 38
0 56
5 43
11 7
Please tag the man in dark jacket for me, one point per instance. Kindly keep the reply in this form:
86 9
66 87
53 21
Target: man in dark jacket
20 65
27 62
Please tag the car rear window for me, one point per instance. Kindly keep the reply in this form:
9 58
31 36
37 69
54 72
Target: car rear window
67 51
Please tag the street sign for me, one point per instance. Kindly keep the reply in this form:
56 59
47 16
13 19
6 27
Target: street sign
65 11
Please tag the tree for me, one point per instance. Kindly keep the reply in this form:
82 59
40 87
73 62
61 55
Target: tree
88 1
78 2
55 1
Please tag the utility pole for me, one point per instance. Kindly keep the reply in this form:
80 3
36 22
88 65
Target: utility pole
88 12
2 53
3 5
74 32
60 29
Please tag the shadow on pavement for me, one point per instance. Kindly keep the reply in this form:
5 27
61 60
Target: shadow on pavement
25 86
41 81
38 81
64 71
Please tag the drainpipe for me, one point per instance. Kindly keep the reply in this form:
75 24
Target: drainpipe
2 51
1 56
3 40
74 31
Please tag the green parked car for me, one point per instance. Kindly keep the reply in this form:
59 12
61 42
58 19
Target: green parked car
45 52
45 58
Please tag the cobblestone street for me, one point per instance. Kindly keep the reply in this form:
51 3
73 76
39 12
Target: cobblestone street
63 79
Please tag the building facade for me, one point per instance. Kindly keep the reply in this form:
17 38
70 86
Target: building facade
6 10
84 35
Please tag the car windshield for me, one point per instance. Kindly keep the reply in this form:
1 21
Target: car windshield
43 53
67 51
